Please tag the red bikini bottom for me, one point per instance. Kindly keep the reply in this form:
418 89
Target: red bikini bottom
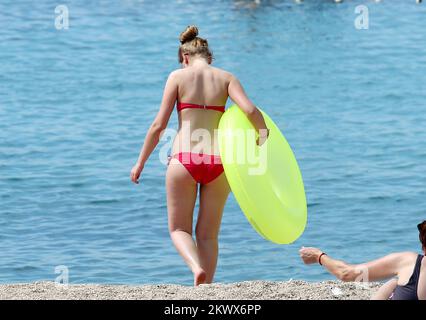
204 168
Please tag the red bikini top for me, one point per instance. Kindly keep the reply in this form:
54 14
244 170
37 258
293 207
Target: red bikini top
181 105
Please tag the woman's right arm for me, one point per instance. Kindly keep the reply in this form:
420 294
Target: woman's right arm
238 95
158 125
379 269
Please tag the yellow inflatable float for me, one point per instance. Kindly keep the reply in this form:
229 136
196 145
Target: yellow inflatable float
265 180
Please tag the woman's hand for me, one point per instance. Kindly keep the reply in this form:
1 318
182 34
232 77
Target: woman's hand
136 172
310 255
263 136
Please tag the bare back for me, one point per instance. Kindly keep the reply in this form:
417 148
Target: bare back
203 85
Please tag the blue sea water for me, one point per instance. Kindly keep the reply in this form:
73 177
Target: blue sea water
75 105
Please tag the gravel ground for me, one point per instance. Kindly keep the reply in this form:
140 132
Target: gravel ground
268 290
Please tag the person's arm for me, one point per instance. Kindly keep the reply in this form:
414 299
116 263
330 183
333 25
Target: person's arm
386 290
158 125
238 95
379 269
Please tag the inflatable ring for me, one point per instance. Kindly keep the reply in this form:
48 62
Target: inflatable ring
265 180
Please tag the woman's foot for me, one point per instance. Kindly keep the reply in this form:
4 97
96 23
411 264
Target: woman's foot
199 277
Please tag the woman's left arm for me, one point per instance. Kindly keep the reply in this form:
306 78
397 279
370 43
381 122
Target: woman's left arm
379 269
386 290
158 125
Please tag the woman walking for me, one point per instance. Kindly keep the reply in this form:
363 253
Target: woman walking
200 92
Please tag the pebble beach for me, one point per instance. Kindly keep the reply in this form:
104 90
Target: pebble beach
249 290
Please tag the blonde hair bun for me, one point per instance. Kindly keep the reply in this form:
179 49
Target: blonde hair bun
190 33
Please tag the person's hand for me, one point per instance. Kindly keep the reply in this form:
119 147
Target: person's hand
263 136
310 255
136 172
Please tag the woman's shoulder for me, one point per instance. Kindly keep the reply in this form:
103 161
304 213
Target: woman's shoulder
400 258
406 257
182 73
176 73
222 72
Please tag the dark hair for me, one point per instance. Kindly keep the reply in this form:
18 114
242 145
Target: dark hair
422 233
191 44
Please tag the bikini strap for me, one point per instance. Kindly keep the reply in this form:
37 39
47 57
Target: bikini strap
183 105
416 274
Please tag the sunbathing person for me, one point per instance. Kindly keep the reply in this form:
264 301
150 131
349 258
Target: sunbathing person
407 270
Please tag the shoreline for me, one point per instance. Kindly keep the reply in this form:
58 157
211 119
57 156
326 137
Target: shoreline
247 290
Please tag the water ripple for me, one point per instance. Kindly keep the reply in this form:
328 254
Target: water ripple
75 106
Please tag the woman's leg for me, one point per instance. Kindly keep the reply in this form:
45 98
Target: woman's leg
212 201
181 196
